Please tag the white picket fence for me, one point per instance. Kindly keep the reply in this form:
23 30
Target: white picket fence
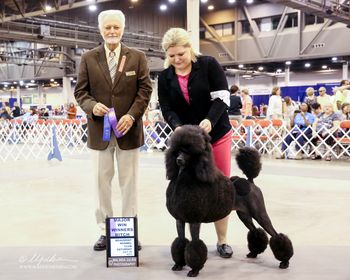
19 141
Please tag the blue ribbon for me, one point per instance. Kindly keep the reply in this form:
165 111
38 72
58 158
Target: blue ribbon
110 120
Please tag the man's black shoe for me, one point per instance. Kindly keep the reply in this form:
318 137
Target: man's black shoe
139 247
100 244
224 250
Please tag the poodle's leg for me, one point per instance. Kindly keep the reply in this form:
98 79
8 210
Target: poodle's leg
280 244
178 247
257 238
196 252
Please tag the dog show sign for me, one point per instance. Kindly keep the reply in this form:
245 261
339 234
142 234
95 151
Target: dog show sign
121 233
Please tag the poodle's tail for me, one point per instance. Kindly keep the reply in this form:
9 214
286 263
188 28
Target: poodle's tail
248 160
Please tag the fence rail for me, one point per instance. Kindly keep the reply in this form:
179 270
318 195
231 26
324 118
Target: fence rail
32 141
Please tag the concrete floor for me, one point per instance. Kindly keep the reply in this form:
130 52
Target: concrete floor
47 213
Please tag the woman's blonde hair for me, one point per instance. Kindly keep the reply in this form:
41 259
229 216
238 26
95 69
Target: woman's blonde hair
310 91
177 37
274 90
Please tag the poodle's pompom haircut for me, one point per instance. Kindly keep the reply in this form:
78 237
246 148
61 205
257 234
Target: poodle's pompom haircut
192 140
248 160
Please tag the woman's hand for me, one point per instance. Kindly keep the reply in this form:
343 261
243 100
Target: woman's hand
205 125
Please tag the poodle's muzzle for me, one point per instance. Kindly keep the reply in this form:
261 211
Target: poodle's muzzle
182 159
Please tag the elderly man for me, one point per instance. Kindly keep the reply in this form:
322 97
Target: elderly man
114 89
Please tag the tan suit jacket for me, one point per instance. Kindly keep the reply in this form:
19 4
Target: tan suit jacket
129 94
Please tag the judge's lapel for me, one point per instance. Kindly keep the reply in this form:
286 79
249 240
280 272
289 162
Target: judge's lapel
123 61
102 62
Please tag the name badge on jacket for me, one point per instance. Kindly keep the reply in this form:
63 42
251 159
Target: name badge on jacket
130 73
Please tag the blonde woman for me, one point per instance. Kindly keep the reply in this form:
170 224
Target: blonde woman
274 109
247 104
193 90
310 96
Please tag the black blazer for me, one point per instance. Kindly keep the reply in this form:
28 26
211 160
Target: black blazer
206 76
235 105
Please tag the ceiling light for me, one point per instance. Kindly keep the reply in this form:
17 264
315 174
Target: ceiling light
32 81
15 83
204 1
52 80
5 85
211 7
71 78
324 66
232 1
250 1
172 1
307 65
134 1
279 70
261 68
240 66
334 58
92 8
48 8
163 7
288 62
27 86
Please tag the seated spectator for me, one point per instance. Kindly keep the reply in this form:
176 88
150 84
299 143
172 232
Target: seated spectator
5 113
325 126
345 111
255 111
263 110
316 109
234 111
323 98
71 111
301 129
16 110
310 96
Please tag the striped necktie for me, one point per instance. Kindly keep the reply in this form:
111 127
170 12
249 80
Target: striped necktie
112 65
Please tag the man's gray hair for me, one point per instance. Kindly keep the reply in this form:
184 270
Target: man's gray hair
111 15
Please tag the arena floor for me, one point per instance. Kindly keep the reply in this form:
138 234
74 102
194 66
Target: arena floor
48 229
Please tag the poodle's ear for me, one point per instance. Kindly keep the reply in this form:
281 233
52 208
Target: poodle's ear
205 170
172 169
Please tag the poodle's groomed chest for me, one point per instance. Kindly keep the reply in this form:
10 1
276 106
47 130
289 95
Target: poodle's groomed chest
195 202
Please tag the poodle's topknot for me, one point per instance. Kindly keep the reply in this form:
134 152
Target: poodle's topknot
248 160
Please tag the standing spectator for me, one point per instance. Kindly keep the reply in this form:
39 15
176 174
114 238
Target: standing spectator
323 98
193 90
274 108
72 111
113 76
310 96
289 108
247 104
341 95
234 110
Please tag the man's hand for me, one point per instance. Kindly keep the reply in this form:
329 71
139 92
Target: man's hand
124 124
100 110
205 125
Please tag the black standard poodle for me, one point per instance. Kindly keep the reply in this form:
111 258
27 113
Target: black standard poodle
199 193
